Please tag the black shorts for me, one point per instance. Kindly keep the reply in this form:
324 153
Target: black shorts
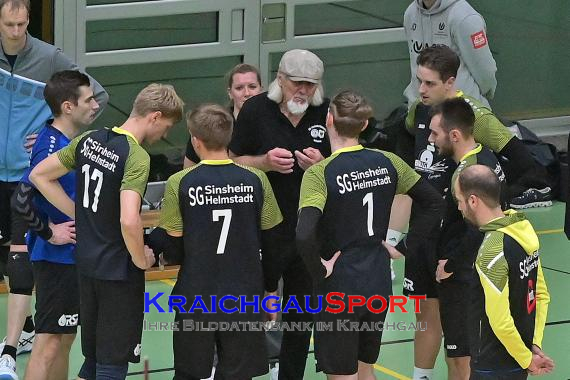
419 272
354 337
57 298
13 230
112 315
241 354
453 308
4 251
519 374
6 191
12 226
20 273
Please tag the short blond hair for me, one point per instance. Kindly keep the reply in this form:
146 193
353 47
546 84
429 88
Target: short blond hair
158 97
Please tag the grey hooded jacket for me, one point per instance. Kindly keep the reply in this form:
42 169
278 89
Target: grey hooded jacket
456 24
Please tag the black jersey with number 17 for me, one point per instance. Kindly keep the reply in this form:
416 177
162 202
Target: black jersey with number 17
107 161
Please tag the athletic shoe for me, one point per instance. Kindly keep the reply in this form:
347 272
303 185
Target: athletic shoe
7 368
24 343
274 371
533 198
211 375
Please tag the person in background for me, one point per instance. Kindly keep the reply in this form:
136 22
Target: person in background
26 63
51 234
456 24
436 72
110 253
451 129
283 133
244 81
510 301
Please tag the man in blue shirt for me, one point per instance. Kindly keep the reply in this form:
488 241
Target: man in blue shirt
51 234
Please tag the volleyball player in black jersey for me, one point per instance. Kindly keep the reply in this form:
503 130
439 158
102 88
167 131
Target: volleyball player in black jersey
112 171
343 217
220 216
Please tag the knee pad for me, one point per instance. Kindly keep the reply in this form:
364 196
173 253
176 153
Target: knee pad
20 273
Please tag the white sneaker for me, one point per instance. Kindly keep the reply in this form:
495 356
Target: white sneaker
209 378
24 343
8 368
274 371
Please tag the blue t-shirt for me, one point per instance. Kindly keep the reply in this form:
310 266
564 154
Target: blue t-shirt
50 140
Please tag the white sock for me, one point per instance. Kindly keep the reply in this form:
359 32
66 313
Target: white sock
422 373
393 237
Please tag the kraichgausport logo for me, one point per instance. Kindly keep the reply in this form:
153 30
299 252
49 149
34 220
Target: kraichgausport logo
335 302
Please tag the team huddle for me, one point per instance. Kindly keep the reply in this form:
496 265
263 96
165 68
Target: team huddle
278 188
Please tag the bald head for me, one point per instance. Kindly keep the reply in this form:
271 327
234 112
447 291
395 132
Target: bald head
481 181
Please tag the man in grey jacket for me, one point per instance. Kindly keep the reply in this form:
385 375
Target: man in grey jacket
456 24
26 64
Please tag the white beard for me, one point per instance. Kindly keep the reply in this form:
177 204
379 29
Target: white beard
296 108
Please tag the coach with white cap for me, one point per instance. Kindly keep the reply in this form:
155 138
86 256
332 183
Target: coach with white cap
282 132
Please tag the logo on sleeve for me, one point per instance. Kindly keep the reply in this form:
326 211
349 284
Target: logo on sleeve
479 39
530 297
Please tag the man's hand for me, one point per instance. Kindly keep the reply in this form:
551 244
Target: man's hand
540 365
440 273
30 141
272 304
329 264
392 251
536 350
308 157
62 233
149 256
279 160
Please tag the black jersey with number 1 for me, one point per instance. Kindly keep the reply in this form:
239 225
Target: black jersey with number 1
354 189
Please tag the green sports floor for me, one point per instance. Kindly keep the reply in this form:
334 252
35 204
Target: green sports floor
396 355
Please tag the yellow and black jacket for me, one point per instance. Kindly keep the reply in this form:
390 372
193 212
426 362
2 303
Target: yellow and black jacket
510 301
